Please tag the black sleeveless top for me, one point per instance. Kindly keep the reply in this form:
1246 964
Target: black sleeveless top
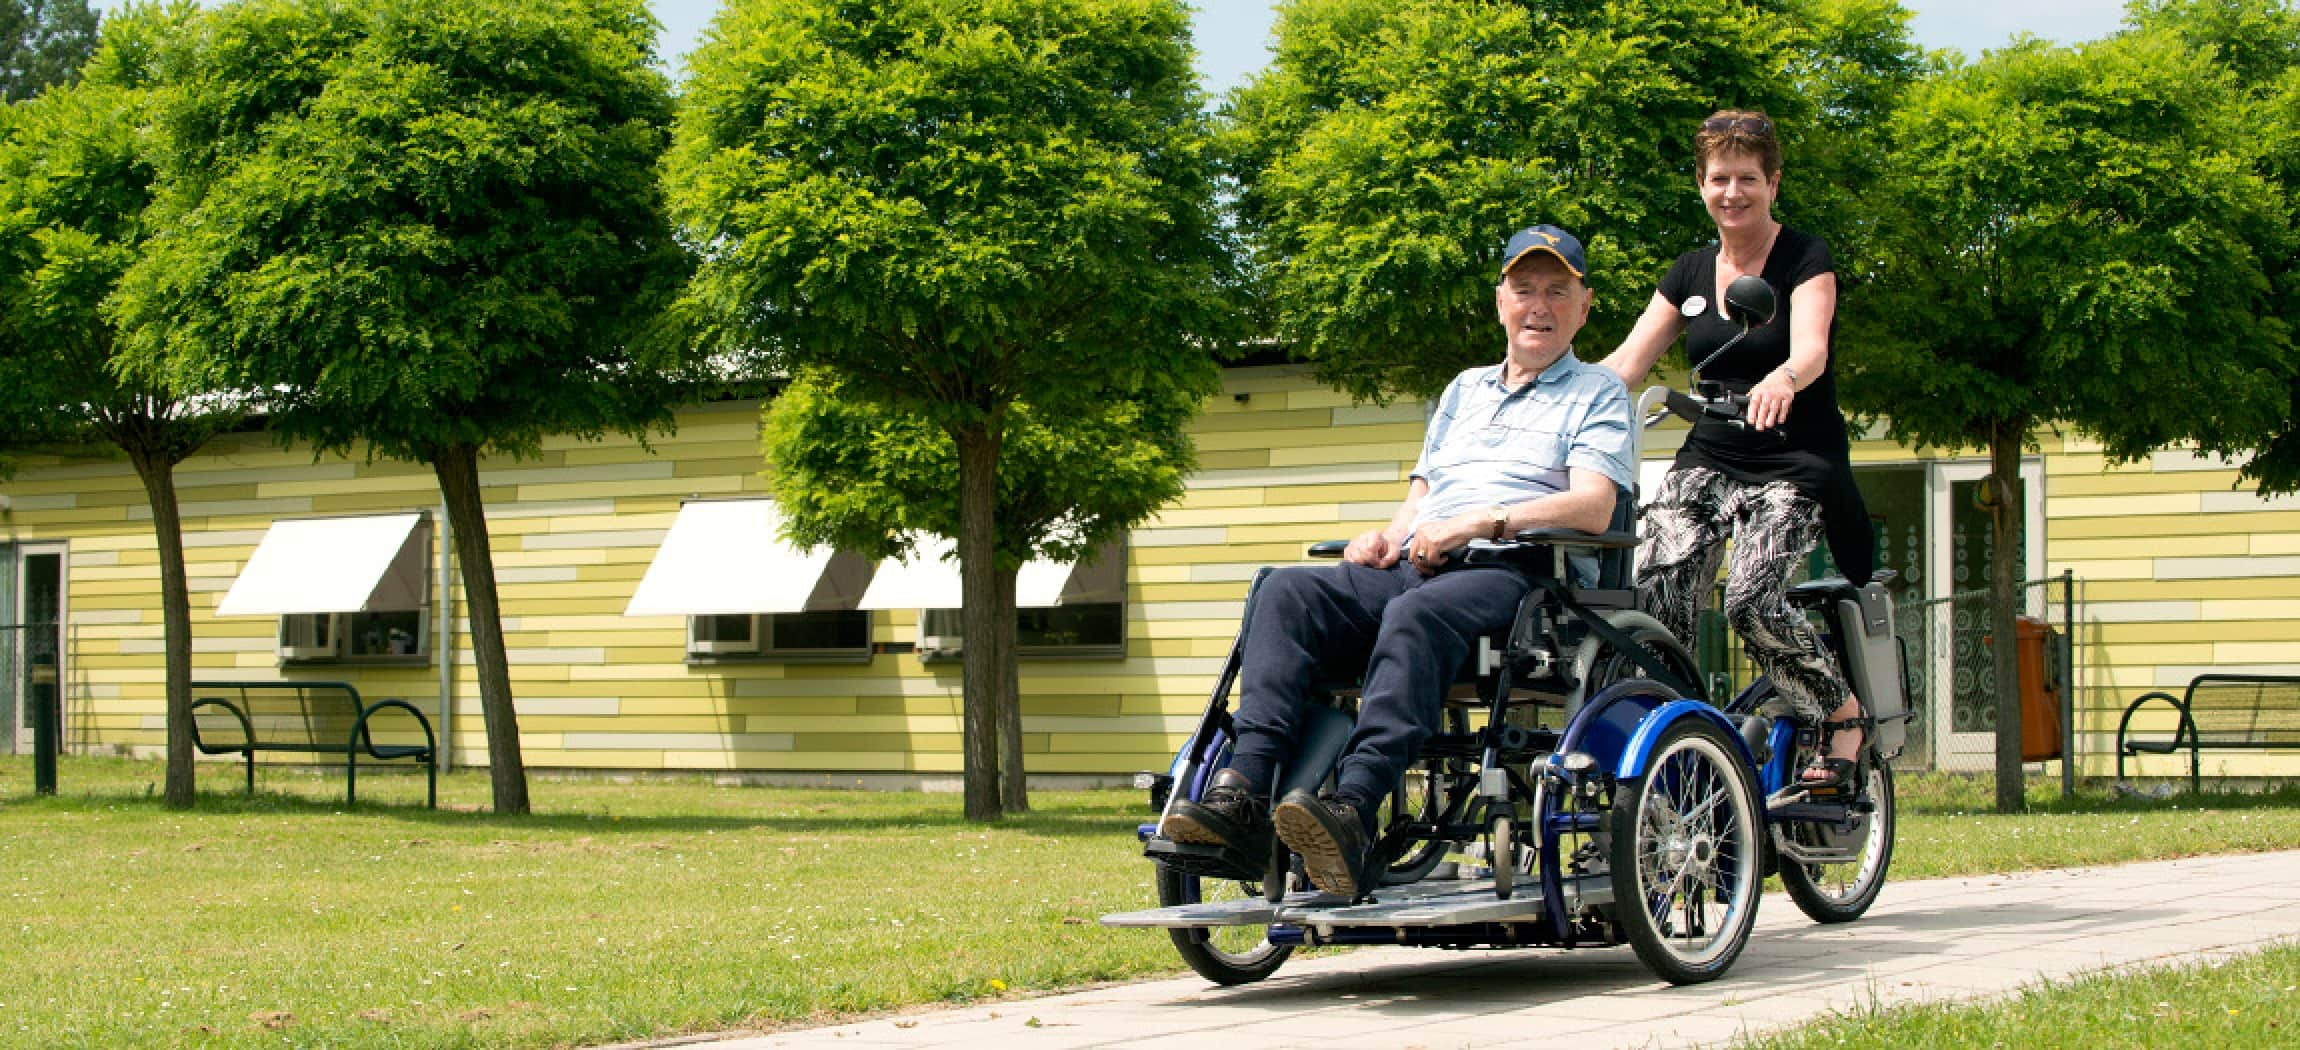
1810 445
1809 449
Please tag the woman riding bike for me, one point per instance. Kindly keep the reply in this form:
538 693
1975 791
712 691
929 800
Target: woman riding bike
1763 482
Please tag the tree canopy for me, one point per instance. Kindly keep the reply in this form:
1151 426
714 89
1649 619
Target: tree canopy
421 223
957 207
426 229
1390 147
43 43
2258 43
2064 228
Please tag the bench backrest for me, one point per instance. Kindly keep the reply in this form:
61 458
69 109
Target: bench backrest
2245 708
279 714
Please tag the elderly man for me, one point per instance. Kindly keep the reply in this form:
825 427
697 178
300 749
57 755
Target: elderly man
1540 439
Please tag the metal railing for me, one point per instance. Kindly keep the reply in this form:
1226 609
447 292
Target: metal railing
1952 663
1952 674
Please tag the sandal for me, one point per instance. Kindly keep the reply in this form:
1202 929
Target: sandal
1829 777
1835 774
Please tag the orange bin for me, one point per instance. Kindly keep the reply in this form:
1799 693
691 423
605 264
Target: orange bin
2039 689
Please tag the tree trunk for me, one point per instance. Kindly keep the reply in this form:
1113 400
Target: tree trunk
986 663
2003 491
458 469
156 468
1013 777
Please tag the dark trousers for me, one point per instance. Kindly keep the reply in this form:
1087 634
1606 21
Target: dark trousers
1319 626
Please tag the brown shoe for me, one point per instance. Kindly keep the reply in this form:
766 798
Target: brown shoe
1331 838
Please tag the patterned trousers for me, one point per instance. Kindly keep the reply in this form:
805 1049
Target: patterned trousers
1773 527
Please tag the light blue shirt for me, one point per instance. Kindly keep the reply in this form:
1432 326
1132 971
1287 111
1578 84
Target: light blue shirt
1488 444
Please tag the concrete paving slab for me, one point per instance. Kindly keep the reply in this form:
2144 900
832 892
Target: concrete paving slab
1945 939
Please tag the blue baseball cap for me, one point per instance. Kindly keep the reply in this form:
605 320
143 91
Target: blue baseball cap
1549 239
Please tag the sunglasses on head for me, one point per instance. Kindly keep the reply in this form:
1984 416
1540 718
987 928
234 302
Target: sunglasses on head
1745 125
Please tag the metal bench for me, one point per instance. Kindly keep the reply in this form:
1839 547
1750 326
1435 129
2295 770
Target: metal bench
2220 712
326 718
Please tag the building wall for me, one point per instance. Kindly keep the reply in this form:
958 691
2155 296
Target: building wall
2181 573
2184 572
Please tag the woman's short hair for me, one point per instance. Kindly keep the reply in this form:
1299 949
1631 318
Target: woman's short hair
1737 131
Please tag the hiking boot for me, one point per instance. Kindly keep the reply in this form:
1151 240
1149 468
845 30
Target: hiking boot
1331 837
1230 814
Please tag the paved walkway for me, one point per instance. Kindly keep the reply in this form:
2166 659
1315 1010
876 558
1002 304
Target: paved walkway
1924 941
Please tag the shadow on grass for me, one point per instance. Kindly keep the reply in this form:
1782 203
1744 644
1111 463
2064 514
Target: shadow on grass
789 810
1956 794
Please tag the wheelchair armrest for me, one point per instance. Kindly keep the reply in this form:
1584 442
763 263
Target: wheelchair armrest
1557 537
1329 548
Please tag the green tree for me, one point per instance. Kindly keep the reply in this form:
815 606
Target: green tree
1391 145
957 207
43 43
2074 238
2258 43
428 229
75 200
860 476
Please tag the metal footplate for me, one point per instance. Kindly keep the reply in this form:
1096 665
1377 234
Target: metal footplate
1251 911
1437 902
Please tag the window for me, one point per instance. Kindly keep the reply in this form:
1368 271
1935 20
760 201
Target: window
826 636
361 637
349 589
748 595
1086 619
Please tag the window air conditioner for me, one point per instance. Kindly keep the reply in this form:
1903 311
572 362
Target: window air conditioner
310 636
722 634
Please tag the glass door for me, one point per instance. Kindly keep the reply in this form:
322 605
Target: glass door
1960 665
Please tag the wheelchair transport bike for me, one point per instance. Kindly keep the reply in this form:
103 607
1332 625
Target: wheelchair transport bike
1583 791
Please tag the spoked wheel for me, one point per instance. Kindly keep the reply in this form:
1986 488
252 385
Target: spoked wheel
1225 954
1421 798
1686 855
1434 791
1841 890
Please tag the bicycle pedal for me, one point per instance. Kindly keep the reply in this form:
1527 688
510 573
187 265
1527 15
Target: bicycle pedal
1787 796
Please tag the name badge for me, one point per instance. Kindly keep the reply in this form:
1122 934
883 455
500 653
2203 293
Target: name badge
1694 304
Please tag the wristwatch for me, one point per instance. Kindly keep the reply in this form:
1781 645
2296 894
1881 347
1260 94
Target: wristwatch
1500 515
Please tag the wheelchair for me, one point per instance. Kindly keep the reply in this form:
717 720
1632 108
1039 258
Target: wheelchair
1582 793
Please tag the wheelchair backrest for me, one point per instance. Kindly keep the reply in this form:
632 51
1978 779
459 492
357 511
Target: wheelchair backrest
1617 569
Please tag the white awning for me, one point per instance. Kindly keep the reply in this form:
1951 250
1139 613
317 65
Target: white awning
334 565
927 580
729 557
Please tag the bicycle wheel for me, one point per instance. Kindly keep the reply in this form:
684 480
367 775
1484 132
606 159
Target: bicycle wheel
1612 666
1228 954
1686 855
1841 890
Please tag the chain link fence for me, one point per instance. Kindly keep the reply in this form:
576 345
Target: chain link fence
1952 684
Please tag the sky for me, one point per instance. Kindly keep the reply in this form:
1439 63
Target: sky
1234 35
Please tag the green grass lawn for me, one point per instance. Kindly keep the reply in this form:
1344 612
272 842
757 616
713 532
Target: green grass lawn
623 910
2246 1002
